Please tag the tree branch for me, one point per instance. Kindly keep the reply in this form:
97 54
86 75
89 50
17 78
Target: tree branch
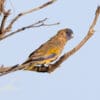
52 67
3 22
77 47
36 24
9 27
2 6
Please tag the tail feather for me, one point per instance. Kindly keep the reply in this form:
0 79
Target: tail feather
30 67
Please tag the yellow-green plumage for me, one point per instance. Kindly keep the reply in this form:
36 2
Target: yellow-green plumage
49 51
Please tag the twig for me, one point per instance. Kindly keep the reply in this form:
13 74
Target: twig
3 22
38 8
9 27
51 68
2 6
37 24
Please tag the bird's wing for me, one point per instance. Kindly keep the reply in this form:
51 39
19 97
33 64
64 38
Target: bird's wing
41 58
48 51
36 52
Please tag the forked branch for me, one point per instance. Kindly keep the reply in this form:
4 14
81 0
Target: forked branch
9 27
34 25
5 31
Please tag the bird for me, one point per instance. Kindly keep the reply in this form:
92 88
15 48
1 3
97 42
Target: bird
50 50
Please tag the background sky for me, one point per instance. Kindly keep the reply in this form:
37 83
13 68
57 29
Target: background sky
78 78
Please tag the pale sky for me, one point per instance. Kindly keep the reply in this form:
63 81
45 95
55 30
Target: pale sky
78 78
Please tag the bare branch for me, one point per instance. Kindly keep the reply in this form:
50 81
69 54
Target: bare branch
37 24
9 27
38 8
3 22
77 47
2 6
52 67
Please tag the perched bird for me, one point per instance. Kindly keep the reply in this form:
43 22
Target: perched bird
49 51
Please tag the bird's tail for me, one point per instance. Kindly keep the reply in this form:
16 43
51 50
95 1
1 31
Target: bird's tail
32 67
37 68
29 67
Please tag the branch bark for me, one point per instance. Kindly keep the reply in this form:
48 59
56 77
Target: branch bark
34 25
9 27
3 22
52 67
77 47
6 31
2 6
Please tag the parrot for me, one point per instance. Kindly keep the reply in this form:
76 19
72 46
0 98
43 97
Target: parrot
50 50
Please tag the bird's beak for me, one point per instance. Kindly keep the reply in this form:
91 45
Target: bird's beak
72 35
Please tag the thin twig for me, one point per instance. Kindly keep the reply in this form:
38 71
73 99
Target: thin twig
51 68
38 8
37 24
2 6
9 27
3 22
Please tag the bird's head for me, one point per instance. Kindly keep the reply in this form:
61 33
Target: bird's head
68 32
